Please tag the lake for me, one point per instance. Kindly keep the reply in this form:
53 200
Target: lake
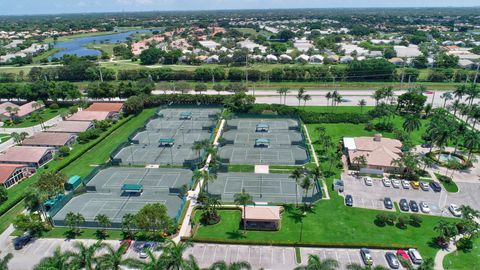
77 46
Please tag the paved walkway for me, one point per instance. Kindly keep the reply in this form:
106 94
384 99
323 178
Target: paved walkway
444 252
33 129
315 158
262 169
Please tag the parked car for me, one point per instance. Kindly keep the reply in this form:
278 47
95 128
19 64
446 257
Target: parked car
386 182
368 181
455 210
126 244
403 205
435 186
349 200
392 260
147 246
387 202
406 184
396 183
21 241
366 256
424 207
415 184
415 256
403 254
413 206
424 186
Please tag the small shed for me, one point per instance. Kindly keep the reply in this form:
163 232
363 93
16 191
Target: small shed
73 182
262 142
167 142
262 127
262 217
185 115
132 188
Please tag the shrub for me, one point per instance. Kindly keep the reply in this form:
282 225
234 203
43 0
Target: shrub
73 109
383 126
402 222
64 151
381 219
415 220
465 244
54 106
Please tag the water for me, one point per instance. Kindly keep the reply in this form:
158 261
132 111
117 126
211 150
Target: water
76 46
447 157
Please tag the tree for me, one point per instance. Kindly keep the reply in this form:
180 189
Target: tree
200 87
128 224
306 184
468 212
411 103
315 263
209 213
306 98
219 88
51 183
446 97
296 174
5 260
73 221
64 151
415 220
113 259
300 94
402 221
84 257
427 264
31 222
362 103
283 91
411 123
356 266
3 194
133 105
103 221
151 263
446 230
222 265
243 199
150 56
206 176
172 255
153 218
58 261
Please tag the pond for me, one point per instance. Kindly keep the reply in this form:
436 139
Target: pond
77 46
446 157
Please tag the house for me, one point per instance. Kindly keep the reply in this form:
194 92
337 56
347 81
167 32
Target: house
396 61
50 140
10 174
378 152
209 44
89 116
262 217
317 58
213 59
32 156
271 58
25 109
4 114
114 108
74 127
285 58
467 64
346 59
302 58
407 52
302 45
250 45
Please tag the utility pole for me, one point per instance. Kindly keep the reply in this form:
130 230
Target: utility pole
101 75
476 74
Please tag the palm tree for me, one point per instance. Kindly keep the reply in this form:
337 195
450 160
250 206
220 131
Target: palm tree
103 221
315 263
222 265
243 199
151 263
362 103
226 115
472 93
85 255
73 221
428 264
172 255
296 174
468 212
191 263
328 96
455 106
113 259
197 147
58 261
128 223
446 229
361 161
306 98
300 93
446 97
206 176
282 91
460 91
5 260
12 111
306 184
471 141
411 123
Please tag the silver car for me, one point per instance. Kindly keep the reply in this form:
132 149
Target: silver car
396 183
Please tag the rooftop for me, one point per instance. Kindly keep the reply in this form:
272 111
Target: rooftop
262 213
28 108
30 154
105 107
45 138
89 116
6 170
70 126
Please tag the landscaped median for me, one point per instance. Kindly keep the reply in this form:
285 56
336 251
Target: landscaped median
81 161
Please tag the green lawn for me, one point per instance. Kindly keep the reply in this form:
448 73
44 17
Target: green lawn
460 260
241 168
45 55
106 47
4 137
252 31
449 186
29 121
337 109
8 217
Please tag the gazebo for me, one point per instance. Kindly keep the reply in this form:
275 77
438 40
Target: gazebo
185 115
132 188
262 127
169 142
262 142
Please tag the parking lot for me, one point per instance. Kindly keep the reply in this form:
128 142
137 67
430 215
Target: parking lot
266 257
372 196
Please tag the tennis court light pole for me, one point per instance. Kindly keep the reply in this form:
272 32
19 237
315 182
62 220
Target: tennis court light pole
183 135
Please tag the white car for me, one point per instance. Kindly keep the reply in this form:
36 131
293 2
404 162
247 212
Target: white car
415 256
424 207
386 182
396 183
406 184
424 186
455 210
368 181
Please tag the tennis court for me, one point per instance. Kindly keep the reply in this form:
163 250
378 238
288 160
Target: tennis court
105 196
180 136
278 188
250 124
288 155
287 137
160 124
196 113
178 155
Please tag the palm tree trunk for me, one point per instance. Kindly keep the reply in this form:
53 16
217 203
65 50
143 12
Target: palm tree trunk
296 194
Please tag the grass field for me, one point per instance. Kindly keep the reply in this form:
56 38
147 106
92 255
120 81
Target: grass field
106 47
464 260
252 31
67 38
4 137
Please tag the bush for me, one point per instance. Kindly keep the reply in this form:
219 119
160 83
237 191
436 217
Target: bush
64 151
415 220
402 222
88 135
384 126
73 109
3 194
465 244
381 219
54 106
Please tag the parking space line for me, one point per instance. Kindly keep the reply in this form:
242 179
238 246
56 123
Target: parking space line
203 253
349 260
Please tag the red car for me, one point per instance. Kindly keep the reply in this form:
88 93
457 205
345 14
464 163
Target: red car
403 254
126 243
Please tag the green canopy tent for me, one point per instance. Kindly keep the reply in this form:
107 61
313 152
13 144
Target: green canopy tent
132 188
185 115
166 141
262 127
73 182
262 142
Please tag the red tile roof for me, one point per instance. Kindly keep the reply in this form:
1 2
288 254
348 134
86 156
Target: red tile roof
105 107
70 126
6 171
89 116
30 154
27 108
47 139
